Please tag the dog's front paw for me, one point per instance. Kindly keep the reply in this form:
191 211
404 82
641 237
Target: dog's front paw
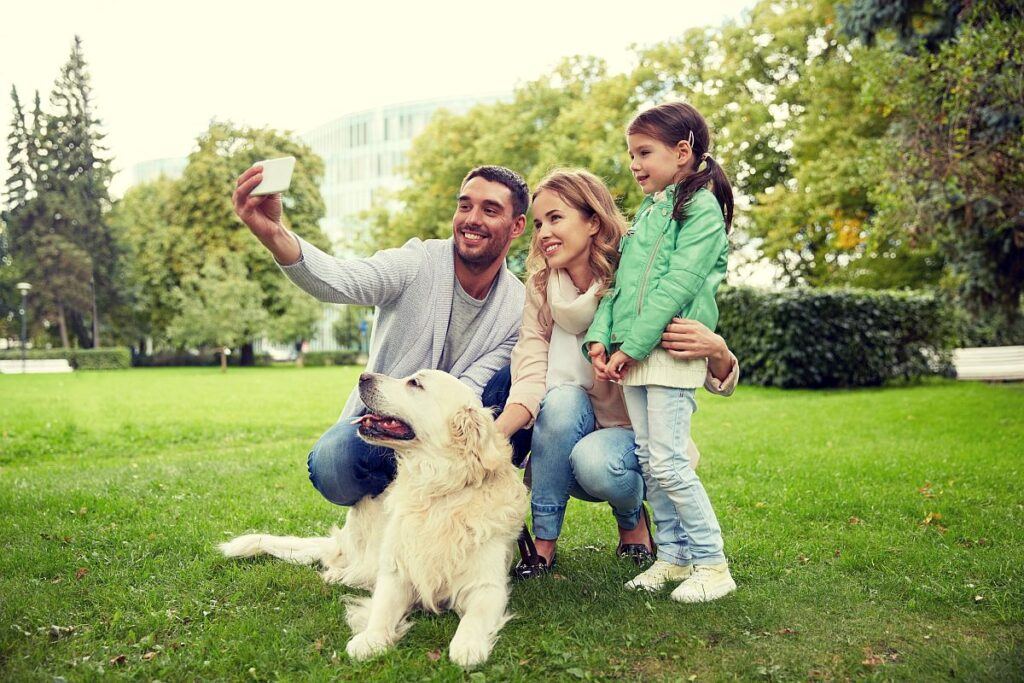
469 652
365 645
334 575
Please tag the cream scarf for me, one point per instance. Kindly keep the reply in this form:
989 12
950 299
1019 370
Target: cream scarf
572 314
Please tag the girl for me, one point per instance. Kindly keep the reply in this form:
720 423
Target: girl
673 260
582 442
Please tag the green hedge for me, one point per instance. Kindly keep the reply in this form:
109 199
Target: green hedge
315 359
81 359
205 359
817 338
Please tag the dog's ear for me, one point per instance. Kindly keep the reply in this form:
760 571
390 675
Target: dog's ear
473 435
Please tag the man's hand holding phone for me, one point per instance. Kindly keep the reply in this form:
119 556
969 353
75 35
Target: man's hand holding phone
262 213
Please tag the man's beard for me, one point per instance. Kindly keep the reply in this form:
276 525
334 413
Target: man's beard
482 259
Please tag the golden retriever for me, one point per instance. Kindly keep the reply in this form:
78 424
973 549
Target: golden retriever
440 537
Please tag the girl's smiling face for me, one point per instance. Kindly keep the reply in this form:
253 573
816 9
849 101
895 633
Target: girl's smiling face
562 233
654 164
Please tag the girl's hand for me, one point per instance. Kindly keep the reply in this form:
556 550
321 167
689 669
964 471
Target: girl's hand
618 365
597 357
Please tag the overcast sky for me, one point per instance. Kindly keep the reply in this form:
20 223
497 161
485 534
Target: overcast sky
162 70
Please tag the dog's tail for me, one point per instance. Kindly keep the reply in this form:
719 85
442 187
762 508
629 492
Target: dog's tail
294 549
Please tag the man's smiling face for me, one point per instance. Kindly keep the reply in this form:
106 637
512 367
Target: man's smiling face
483 223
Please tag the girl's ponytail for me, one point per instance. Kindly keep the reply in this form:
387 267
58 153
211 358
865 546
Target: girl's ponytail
708 171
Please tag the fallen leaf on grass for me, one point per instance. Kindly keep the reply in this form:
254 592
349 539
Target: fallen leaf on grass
318 644
786 632
854 521
803 559
149 656
59 631
434 655
80 572
872 659
931 517
56 579
970 543
978 598
118 660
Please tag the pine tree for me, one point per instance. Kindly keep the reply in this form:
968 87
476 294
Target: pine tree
76 179
19 182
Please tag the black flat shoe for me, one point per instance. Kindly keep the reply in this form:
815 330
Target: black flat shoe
532 567
531 563
638 552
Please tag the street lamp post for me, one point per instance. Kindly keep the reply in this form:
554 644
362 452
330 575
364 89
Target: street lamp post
24 288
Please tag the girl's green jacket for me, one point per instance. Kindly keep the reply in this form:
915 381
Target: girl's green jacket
668 268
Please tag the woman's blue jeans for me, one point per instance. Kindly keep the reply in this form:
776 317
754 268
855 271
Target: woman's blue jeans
345 469
569 457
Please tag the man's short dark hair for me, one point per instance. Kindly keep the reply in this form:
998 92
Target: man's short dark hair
510 179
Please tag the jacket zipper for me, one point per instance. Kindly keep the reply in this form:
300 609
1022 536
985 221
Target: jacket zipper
641 291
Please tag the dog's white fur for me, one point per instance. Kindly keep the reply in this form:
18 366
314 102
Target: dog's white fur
440 537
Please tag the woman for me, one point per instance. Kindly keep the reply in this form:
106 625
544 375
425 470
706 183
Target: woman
582 442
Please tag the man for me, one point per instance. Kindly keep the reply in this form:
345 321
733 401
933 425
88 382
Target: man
449 304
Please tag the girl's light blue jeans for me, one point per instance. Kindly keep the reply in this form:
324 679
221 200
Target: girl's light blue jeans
661 421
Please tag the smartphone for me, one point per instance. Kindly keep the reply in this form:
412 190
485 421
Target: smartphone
277 176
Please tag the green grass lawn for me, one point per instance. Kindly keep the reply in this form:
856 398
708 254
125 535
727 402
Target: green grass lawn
873 533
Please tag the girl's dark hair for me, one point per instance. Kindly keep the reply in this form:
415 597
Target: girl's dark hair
672 122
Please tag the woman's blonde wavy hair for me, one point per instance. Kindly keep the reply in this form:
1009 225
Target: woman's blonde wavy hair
586 193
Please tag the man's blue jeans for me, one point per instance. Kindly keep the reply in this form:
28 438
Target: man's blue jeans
345 469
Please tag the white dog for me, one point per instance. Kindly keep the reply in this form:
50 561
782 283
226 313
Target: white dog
440 537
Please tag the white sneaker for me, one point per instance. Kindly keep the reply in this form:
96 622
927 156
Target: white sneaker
707 582
658 574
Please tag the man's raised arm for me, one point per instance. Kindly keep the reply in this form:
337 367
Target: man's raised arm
368 282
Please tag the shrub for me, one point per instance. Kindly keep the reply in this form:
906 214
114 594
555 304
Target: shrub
818 338
114 358
101 359
321 358
207 358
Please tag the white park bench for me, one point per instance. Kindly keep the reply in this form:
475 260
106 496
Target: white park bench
14 367
990 363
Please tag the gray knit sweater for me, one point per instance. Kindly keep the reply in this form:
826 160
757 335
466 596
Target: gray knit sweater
412 289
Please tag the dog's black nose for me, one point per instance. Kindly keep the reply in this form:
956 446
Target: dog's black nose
365 377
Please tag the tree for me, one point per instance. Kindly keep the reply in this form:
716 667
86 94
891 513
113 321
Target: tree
956 166
56 198
170 229
348 327
156 256
75 188
297 322
204 211
219 306
916 23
